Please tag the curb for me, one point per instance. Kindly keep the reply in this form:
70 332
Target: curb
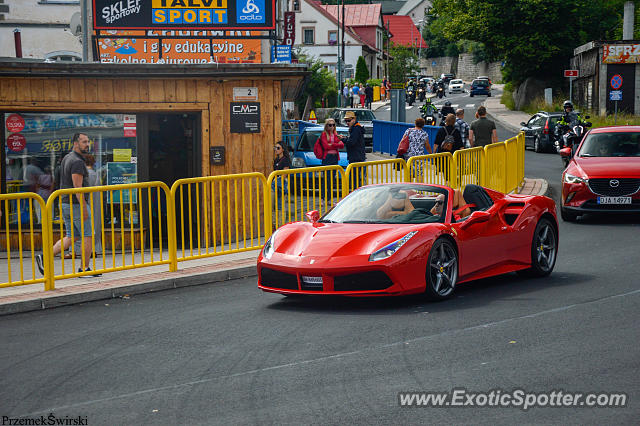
65 297
503 123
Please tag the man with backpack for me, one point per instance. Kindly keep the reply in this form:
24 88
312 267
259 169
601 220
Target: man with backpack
448 138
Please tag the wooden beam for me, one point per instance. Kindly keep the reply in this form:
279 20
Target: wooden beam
105 107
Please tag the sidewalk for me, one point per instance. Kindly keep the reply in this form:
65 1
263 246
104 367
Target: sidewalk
124 284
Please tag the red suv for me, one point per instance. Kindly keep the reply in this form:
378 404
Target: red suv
604 174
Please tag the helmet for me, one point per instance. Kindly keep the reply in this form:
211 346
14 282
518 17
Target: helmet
448 103
567 104
427 100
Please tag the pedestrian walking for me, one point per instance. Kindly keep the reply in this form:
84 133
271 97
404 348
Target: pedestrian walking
482 131
355 147
362 94
355 98
418 139
368 91
279 184
383 88
74 174
345 95
462 127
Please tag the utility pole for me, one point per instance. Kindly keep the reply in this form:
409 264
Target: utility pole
339 59
85 29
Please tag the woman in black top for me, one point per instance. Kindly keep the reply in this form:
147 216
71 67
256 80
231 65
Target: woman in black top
281 162
448 129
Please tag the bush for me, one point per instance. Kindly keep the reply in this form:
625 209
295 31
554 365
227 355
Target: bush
374 82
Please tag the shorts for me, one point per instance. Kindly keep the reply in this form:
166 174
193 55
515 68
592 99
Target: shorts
77 229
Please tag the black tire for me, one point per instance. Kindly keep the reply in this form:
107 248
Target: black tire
536 145
471 95
442 270
489 95
544 249
567 216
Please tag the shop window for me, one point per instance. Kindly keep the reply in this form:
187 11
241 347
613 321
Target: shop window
36 143
308 35
63 55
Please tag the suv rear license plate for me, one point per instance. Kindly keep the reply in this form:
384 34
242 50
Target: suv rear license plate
614 200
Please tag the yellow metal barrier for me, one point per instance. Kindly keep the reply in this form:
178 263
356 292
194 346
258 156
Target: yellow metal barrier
220 214
495 171
468 166
513 159
521 149
127 218
372 172
293 192
21 237
432 168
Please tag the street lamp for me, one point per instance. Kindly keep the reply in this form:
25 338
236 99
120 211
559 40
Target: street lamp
421 22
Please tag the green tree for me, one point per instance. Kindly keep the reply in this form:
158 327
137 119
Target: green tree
321 83
402 64
362 72
533 37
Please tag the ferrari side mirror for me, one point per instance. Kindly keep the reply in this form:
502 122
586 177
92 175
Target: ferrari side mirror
565 152
313 216
476 217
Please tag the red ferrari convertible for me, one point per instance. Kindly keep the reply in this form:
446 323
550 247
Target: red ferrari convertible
604 174
408 238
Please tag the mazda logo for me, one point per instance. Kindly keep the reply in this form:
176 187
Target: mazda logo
614 183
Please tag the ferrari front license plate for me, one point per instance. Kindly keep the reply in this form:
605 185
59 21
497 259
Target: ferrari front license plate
312 280
614 200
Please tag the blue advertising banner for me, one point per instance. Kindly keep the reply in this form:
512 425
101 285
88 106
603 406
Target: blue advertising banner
281 54
122 173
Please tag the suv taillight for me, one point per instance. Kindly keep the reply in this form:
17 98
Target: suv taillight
546 127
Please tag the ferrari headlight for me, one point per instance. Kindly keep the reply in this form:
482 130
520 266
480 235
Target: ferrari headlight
389 250
573 179
269 246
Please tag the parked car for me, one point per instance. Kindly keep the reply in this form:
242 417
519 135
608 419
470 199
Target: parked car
539 131
364 117
480 87
303 155
447 77
456 86
604 174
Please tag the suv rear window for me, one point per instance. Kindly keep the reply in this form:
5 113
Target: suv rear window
483 83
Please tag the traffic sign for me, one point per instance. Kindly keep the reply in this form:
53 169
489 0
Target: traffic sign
616 82
312 117
570 73
615 95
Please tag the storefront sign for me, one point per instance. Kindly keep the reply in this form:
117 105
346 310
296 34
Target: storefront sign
183 14
129 126
16 142
122 155
216 155
134 47
122 173
245 117
621 54
289 28
281 54
15 123
245 94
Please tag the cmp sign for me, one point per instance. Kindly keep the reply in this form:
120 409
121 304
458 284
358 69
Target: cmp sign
183 14
245 117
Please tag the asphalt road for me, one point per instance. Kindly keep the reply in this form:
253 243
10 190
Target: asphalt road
229 354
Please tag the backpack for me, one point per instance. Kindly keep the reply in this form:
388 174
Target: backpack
449 140
318 150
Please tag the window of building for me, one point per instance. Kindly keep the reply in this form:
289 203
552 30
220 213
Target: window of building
308 35
333 37
296 5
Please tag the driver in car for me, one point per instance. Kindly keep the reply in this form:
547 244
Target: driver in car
460 207
397 203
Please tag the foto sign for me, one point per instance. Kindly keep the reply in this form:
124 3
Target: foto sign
183 14
570 73
289 28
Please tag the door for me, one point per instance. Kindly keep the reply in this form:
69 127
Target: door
529 130
628 87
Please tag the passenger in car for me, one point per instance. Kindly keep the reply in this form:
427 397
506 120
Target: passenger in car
398 203
459 205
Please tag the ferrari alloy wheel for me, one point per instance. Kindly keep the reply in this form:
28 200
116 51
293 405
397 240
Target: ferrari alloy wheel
544 248
442 270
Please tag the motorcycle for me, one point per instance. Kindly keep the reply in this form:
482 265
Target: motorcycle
421 94
429 116
411 96
567 142
440 92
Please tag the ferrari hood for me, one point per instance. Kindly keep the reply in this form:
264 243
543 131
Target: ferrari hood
607 167
336 239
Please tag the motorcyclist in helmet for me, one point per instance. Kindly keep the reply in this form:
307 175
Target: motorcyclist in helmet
428 109
568 120
446 110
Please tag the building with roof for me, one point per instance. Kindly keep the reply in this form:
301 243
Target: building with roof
403 31
390 7
317 28
415 9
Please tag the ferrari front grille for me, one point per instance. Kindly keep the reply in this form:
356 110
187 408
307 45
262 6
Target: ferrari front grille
614 187
277 279
364 281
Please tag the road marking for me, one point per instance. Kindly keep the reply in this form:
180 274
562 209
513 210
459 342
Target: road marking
470 106
334 356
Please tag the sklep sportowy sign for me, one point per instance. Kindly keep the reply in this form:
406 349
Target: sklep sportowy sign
183 14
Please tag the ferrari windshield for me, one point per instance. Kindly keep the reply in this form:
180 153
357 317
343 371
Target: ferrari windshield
614 144
394 203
